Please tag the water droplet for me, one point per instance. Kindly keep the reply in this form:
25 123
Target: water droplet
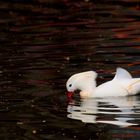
34 131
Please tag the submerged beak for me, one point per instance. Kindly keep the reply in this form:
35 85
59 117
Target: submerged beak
73 94
70 97
70 94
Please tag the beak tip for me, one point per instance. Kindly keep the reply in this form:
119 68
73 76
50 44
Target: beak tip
69 94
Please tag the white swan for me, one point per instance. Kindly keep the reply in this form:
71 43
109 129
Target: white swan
121 85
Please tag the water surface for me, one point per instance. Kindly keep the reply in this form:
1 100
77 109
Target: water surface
44 42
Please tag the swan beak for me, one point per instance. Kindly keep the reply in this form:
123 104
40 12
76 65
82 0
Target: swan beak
70 97
69 94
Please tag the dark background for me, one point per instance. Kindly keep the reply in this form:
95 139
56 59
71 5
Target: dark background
44 42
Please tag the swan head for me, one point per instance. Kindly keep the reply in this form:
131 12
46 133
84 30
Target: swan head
84 81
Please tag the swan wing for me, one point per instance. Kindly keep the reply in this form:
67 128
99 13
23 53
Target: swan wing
122 74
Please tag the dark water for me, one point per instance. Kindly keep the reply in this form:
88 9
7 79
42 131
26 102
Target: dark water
42 43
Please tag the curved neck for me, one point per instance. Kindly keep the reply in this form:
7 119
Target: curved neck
89 86
88 90
86 94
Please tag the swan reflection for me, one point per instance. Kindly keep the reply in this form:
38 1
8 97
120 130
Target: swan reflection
121 111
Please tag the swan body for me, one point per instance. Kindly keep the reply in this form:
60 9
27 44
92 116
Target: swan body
121 85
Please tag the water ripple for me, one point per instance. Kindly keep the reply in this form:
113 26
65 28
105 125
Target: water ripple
121 111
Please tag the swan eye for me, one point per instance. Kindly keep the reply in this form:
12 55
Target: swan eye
70 85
